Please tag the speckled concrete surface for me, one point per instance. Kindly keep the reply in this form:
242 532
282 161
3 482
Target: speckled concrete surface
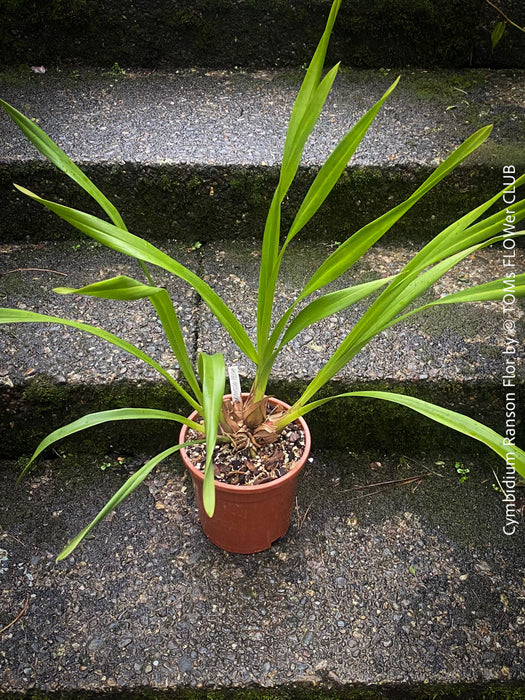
195 154
225 118
458 344
412 585
29 274
443 342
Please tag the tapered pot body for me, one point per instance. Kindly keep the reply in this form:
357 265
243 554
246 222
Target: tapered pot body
248 519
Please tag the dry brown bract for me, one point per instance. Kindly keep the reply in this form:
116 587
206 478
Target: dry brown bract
256 453
250 424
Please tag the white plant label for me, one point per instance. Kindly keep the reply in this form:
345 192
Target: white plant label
235 383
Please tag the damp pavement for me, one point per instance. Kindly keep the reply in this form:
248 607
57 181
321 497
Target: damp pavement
399 585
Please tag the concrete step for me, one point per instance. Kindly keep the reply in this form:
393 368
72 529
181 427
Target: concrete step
276 33
412 591
52 375
194 155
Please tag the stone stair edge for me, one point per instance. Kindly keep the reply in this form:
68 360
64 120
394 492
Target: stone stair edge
302 690
199 162
214 117
454 360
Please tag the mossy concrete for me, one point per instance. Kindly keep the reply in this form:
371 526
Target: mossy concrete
169 201
355 424
28 416
231 33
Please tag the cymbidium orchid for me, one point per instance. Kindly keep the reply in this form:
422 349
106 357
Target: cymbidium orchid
246 422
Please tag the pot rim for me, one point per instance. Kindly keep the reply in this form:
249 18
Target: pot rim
250 488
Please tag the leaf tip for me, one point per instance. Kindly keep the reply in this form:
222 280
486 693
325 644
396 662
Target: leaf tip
70 546
24 470
209 508
24 190
208 491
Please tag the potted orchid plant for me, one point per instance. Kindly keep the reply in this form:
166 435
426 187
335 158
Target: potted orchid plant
244 451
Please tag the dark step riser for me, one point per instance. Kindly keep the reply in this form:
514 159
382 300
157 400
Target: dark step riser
203 203
304 691
227 34
26 416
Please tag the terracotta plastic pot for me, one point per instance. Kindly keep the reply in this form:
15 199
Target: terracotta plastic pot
248 519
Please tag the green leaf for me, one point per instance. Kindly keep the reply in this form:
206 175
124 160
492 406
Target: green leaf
125 242
212 370
127 289
56 155
333 167
266 291
93 419
122 287
310 82
307 107
453 238
448 248
358 244
316 195
460 238
497 33
170 322
412 286
361 241
329 304
409 283
404 288
451 419
490 291
301 131
270 247
19 316
128 488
